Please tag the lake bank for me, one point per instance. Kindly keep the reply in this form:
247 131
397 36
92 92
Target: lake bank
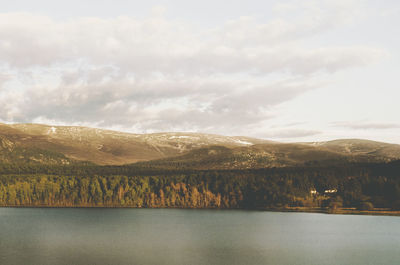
347 211
377 211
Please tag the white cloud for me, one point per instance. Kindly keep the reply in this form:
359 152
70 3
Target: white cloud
290 133
4 78
159 74
366 125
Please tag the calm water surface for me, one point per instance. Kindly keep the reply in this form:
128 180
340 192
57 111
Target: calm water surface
190 237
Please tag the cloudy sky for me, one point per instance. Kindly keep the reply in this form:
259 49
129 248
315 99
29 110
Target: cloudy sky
298 70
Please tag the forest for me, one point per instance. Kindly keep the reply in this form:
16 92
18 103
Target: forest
361 186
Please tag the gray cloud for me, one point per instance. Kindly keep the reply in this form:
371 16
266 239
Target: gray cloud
161 105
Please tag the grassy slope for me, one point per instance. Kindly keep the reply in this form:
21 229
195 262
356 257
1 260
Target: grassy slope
65 144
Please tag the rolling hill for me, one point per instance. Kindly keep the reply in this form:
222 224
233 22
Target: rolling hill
46 144
104 147
275 155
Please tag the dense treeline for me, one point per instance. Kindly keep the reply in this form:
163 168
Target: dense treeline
361 186
84 169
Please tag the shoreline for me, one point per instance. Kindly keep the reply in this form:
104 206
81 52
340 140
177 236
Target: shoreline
342 211
347 211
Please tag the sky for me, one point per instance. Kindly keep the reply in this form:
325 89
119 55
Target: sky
290 71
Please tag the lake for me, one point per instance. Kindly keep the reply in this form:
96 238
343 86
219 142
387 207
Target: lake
175 236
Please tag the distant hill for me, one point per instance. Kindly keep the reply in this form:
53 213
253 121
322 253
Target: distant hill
46 144
361 147
105 147
276 155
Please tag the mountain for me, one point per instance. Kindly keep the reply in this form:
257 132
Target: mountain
361 147
46 144
105 147
19 147
277 155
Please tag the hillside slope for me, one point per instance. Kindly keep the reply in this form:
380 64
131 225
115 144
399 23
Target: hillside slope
105 147
45 144
259 156
19 147
361 147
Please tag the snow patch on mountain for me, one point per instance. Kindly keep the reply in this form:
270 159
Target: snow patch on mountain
242 142
183 137
51 130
